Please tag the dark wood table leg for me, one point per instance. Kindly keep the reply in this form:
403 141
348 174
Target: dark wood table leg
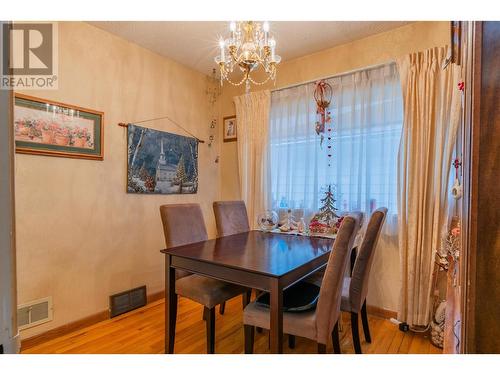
170 306
276 331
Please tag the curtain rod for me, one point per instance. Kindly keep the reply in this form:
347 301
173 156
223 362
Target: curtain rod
335 75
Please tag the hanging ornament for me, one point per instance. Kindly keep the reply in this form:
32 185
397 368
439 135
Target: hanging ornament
323 97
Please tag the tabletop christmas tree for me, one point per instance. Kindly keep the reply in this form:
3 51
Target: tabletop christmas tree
324 221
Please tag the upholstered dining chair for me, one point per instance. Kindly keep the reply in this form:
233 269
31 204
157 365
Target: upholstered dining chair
355 288
317 277
183 224
231 218
322 322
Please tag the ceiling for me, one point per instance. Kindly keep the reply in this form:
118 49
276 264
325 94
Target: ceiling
194 43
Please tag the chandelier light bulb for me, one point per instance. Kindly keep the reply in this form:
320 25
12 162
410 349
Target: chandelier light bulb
221 43
265 26
232 26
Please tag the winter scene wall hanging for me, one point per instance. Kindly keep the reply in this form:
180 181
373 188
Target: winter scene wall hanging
161 162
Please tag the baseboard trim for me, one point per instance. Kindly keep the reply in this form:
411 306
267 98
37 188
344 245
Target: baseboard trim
153 297
64 329
76 325
380 312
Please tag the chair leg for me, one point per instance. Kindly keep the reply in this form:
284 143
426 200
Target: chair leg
355 333
205 311
246 297
222 308
321 348
335 339
364 319
249 338
257 294
210 321
291 341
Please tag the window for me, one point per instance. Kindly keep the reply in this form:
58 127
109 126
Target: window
367 119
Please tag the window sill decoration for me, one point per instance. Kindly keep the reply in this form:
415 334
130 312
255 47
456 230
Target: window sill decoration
326 220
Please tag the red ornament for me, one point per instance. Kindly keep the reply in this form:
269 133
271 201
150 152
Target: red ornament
461 85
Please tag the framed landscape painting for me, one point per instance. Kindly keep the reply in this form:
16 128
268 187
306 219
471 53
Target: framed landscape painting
45 127
230 129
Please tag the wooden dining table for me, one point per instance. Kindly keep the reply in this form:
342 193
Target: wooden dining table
264 261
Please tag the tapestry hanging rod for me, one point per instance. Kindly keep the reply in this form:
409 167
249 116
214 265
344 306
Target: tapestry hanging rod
122 124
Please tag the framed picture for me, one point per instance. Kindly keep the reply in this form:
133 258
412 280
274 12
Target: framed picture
161 162
230 129
45 127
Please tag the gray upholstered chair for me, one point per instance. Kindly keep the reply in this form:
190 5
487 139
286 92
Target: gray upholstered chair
322 322
231 218
183 224
355 288
317 277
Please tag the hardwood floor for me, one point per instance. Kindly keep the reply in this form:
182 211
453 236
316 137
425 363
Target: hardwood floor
141 331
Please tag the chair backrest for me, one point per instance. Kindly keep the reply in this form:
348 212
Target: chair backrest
328 308
231 217
183 224
360 274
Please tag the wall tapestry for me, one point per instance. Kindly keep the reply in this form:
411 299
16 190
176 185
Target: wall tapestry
161 162
51 128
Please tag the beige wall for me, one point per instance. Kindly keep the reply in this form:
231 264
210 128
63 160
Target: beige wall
365 52
80 237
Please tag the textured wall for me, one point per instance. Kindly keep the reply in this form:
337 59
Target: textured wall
80 237
373 50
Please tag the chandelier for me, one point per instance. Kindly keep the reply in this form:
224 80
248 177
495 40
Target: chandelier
249 47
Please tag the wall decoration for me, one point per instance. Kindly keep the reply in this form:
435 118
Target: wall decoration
161 162
230 129
46 127
323 96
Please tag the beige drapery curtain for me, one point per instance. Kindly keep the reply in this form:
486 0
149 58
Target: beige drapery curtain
431 104
252 116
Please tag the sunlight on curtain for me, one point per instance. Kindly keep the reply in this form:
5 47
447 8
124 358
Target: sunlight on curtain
367 117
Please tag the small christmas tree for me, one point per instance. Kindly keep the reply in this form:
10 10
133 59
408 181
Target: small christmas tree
143 172
180 175
327 213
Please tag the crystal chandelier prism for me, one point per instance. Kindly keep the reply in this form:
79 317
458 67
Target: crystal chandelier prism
249 48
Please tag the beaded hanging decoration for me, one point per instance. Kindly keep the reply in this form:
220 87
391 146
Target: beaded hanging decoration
323 97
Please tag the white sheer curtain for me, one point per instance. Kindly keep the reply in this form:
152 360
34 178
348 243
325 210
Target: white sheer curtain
367 117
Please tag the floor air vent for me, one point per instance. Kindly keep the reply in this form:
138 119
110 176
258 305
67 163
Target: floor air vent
129 300
34 313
